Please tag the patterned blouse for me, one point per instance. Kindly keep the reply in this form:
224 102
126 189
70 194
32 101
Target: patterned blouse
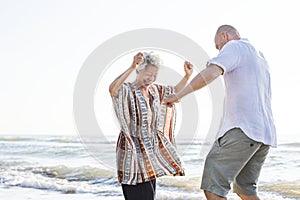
146 147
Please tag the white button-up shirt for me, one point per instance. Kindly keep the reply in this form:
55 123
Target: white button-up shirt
248 91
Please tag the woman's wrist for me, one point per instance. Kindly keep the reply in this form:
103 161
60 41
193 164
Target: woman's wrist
187 77
133 66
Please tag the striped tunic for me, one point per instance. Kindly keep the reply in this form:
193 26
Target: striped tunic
146 146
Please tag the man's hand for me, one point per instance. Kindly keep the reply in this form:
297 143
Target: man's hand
171 99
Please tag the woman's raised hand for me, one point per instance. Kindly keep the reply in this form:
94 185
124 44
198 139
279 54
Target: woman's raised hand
188 68
138 59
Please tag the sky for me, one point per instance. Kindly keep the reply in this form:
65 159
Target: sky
44 44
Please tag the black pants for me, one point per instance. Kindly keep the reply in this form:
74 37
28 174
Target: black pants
140 191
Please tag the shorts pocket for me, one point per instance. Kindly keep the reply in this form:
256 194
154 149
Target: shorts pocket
219 140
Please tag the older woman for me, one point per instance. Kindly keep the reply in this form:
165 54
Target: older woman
145 147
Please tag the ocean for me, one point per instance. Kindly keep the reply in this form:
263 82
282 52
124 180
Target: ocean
68 167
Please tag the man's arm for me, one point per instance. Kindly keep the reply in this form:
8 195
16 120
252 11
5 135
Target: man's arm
205 77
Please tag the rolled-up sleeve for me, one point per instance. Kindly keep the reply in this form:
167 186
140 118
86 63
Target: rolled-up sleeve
228 58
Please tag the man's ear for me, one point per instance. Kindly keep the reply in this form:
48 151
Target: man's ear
224 34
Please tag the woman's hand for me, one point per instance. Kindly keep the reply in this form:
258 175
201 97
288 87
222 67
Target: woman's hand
188 69
138 59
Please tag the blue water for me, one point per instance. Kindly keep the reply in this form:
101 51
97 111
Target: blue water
58 166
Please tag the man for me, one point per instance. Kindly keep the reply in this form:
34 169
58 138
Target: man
247 130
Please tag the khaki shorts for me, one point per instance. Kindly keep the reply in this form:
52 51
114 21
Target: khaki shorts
234 158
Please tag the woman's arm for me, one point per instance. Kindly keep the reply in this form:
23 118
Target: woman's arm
116 84
188 68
